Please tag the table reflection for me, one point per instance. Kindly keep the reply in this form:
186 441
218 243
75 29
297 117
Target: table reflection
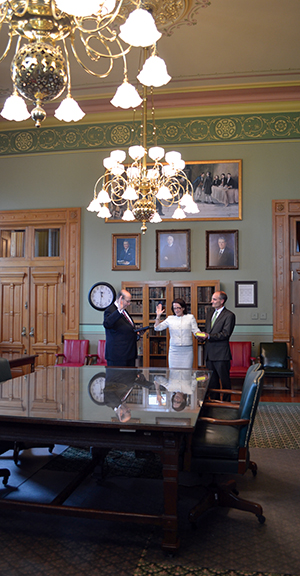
106 394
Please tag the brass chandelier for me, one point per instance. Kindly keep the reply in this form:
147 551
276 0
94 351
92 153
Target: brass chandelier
99 32
141 191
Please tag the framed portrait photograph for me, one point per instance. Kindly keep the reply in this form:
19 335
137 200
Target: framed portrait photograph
222 249
126 251
173 250
246 294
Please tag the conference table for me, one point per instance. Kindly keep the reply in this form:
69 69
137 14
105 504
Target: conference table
131 409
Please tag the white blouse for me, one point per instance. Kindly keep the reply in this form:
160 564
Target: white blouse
181 329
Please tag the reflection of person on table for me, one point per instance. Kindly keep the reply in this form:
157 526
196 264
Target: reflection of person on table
181 327
118 385
181 383
127 255
172 255
121 339
219 326
224 256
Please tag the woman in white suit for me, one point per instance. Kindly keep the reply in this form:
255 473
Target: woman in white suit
181 326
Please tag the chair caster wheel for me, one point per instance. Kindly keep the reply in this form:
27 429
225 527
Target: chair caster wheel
261 518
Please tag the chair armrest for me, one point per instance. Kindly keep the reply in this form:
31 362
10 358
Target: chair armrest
223 391
253 359
92 357
237 422
86 359
57 356
220 404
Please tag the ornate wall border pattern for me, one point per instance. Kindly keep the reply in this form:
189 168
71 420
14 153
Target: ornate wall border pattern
197 130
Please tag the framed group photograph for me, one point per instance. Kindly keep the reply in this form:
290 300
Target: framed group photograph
217 191
173 250
126 251
222 249
246 294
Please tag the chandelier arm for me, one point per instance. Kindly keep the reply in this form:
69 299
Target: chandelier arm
85 67
109 55
21 14
103 23
7 47
3 12
54 9
104 40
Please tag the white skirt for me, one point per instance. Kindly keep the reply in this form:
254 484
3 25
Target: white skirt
181 357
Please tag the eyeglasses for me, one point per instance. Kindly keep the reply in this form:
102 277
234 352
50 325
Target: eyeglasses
177 307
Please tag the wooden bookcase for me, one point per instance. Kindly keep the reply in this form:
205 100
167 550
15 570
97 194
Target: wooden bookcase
153 346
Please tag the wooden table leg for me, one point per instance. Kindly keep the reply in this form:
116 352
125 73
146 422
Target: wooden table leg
170 459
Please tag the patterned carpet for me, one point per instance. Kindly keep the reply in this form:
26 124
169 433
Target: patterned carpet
226 543
276 426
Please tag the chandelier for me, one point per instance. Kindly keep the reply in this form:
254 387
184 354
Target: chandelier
99 33
140 191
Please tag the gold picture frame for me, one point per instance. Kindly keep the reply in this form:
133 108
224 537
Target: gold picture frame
222 249
173 250
126 251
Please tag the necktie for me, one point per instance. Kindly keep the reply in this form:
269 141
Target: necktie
127 316
214 317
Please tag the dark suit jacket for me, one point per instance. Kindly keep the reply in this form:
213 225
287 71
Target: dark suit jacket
217 346
118 383
227 258
120 337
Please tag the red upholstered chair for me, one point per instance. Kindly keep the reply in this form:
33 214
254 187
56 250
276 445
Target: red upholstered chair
241 359
75 353
99 358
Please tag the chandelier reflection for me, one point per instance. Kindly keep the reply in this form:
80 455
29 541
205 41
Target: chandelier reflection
99 32
141 192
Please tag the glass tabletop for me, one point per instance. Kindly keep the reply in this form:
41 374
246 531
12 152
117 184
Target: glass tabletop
98 394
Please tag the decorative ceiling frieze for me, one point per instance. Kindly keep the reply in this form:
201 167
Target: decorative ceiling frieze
180 131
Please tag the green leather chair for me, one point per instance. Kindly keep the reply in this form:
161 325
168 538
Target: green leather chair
220 446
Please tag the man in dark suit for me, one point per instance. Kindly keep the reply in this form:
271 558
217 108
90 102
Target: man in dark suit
219 326
127 255
121 339
224 257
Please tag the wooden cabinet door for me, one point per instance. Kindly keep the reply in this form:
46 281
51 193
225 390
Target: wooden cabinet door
14 311
46 324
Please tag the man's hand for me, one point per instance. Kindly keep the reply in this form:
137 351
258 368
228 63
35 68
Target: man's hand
201 336
121 303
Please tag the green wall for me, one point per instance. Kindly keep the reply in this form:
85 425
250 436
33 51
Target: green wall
66 179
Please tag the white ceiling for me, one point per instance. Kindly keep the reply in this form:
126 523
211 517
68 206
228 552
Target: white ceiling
248 44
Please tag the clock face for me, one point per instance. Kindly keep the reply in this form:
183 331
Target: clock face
101 295
96 388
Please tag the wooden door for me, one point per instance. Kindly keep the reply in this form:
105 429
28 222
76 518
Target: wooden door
14 311
295 293
46 325
39 281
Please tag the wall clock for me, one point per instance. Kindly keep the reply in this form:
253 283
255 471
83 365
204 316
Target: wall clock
101 295
96 388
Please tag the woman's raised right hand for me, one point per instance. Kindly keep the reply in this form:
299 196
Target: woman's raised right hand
159 310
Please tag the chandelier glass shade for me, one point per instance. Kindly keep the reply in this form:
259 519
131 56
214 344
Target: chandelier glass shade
99 33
